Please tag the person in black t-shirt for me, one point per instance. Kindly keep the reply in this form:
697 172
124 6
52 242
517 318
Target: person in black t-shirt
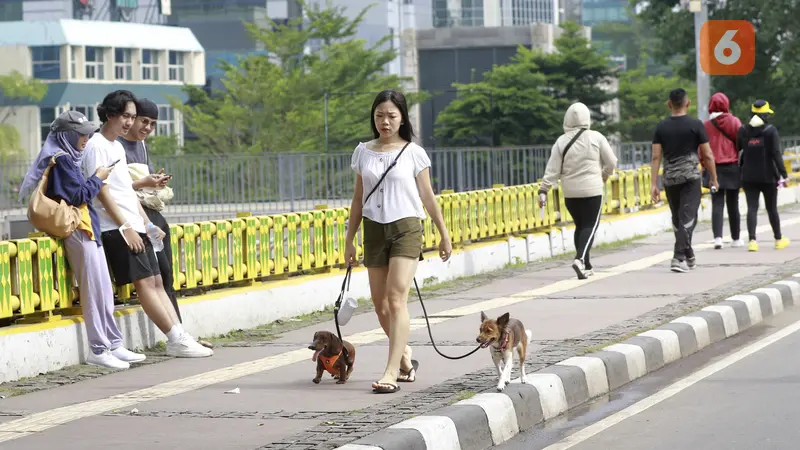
676 140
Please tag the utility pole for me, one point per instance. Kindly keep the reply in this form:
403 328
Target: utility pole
700 10
326 121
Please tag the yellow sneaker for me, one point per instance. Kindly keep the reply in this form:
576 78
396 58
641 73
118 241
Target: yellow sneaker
753 246
781 243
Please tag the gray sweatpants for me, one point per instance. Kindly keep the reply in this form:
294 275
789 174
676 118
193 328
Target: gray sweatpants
88 263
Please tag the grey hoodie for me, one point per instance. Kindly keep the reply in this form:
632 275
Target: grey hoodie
589 162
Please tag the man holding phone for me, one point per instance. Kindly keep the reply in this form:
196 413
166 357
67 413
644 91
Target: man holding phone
124 225
136 153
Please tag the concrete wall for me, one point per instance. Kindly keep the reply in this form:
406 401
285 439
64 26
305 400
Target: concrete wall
48 347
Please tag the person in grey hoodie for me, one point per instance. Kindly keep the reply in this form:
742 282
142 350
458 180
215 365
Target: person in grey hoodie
583 160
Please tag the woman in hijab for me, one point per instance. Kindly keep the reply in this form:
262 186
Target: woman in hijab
722 127
68 136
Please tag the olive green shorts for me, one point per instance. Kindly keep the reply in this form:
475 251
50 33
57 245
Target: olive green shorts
399 238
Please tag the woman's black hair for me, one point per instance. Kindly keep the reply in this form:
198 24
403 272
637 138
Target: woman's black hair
406 131
114 104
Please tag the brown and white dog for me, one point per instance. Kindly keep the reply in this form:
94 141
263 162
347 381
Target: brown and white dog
504 335
329 356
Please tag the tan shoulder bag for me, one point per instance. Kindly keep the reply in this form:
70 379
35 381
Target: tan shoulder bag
56 219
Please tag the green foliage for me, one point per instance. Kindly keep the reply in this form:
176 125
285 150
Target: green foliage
10 147
17 89
776 76
634 40
643 102
163 145
275 102
523 102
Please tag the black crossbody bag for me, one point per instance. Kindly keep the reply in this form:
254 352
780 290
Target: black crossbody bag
380 180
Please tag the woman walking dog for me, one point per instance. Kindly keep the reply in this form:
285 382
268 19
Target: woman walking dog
392 186
583 160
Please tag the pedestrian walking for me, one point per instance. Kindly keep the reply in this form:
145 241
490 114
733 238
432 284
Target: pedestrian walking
65 143
763 171
392 186
583 160
676 141
722 129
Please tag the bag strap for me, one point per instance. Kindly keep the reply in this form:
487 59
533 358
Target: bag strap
716 125
384 173
566 149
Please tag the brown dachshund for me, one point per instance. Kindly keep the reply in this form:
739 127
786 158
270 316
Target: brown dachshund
329 356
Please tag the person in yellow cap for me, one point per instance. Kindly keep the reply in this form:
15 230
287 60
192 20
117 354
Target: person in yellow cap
762 169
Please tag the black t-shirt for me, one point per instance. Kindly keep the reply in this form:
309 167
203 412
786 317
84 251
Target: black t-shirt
680 137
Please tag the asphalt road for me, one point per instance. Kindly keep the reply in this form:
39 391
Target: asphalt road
743 394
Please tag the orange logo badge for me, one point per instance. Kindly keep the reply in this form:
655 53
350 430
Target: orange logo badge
727 47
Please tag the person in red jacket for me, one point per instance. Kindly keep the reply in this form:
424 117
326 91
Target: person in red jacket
722 129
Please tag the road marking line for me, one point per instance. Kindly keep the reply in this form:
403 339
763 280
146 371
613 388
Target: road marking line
44 420
671 390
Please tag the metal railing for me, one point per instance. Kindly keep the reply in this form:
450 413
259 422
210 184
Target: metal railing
212 186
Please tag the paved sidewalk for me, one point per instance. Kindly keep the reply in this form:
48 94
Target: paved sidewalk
182 404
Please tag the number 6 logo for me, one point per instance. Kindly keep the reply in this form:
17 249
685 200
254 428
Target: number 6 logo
727 47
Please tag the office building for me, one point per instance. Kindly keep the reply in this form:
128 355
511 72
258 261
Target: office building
82 61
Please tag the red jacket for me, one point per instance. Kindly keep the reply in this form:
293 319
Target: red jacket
724 149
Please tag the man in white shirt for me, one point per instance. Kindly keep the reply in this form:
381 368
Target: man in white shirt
124 225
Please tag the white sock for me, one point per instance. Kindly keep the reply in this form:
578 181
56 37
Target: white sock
174 333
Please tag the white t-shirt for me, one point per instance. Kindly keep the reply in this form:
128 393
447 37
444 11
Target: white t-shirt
398 196
102 152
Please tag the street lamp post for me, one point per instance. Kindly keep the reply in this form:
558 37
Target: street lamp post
700 10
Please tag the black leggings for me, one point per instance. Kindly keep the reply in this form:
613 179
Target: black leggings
585 212
752 192
719 200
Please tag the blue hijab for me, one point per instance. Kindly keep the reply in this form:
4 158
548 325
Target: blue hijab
56 141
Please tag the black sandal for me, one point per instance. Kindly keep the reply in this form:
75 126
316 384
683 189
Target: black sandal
411 375
385 390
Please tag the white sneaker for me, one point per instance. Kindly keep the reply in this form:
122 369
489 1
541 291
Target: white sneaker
579 268
186 347
717 243
106 359
123 354
737 243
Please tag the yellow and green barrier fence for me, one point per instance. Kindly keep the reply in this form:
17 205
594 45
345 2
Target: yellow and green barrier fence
36 282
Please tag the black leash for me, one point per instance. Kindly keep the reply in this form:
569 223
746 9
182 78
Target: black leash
346 286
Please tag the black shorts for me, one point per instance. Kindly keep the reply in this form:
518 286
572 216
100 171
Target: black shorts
127 266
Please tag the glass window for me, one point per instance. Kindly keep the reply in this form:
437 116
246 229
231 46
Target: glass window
123 68
94 63
46 62
176 66
150 65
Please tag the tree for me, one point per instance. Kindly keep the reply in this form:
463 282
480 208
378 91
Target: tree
275 102
775 76
523 102
643 102
16 89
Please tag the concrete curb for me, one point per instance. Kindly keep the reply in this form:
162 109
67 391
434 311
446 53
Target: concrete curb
491 418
